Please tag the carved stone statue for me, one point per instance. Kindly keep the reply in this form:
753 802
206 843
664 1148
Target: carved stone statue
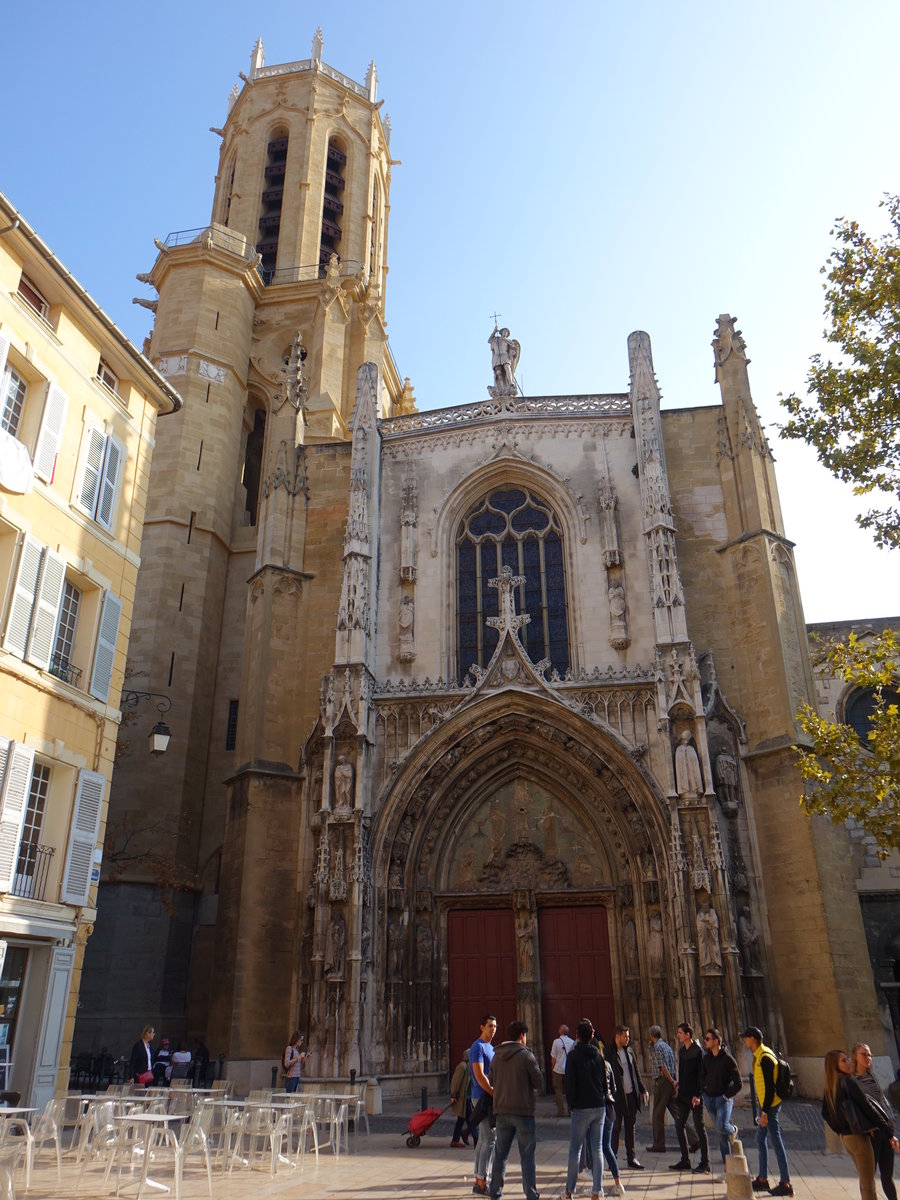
618 625
688 778
407 623
505 353
334 948
726 771
655 941
748 935
343 783
395 949
629 947
525 930
423 950
708 949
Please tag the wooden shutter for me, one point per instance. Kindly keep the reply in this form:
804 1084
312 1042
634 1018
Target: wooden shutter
83 839
18 621
4 350
112 467
50 436
46 610
92 472
105 654
13 804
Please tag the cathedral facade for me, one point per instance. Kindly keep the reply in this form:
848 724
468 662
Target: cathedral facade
485 707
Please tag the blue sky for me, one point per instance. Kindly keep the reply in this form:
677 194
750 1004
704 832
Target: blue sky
584 169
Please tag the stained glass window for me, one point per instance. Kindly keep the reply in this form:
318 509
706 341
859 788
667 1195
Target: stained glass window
516 529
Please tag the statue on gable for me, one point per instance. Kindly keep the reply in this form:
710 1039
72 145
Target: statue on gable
505 353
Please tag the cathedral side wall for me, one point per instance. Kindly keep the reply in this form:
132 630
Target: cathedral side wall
737 605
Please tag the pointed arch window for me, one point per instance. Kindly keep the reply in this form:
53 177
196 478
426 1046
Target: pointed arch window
332 204
511 528
270 201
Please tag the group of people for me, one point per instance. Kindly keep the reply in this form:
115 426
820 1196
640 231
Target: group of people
495 1093
157 1068
855 1107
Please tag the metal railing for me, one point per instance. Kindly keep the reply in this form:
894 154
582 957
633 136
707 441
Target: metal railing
63 669
217 235
32 869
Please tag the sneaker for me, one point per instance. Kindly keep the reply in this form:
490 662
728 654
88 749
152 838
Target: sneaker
480 1189
784 1188
702 1169
683 1164
760 1185
619 1187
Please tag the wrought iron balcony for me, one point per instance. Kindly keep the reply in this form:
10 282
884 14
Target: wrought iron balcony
32 869
63 669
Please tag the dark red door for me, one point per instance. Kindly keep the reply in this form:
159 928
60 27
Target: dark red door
576 976
481 949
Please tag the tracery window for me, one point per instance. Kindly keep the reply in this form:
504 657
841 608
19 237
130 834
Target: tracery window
517 529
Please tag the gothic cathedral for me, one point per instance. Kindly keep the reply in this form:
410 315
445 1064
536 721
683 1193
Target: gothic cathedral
485 707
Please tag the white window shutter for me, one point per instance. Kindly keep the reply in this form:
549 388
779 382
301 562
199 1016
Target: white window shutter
50 437
92 472
4 350
112 468
46 610
83 840
13 804
18 621
105 654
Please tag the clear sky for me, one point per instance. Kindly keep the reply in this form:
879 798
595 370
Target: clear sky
585 169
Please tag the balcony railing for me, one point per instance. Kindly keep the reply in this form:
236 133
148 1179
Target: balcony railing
63 669
32 869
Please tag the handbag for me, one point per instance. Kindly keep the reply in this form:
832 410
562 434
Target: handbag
145 1078
863 1118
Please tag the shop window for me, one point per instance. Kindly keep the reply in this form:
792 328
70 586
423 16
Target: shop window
12 982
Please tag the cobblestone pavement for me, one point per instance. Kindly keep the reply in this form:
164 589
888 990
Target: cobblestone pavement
380 1166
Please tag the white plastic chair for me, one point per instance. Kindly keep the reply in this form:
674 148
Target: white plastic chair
17 1138
194 1139
47 1129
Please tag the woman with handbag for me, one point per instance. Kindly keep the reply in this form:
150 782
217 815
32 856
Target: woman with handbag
140 1066
854 1116
884 1144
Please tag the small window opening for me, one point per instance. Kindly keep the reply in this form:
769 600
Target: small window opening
332 205
270 213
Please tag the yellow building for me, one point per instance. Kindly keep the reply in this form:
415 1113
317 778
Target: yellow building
78 409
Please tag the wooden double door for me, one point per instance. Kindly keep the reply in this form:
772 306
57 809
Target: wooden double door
573 977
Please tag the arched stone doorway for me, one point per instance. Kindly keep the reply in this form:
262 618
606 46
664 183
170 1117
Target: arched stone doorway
519 805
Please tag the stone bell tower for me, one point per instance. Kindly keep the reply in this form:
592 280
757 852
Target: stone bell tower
263 318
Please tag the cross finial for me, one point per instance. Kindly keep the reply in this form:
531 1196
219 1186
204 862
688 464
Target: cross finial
506 583
496 319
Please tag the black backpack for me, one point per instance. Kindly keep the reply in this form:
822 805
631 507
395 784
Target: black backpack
784 1085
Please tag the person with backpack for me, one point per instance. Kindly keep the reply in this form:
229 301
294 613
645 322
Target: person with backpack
559 1053
765 1070
292 1062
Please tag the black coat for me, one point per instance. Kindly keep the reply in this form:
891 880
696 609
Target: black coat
612 1057
137 1064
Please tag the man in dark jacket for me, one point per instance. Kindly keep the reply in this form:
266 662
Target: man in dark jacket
516 1079
720 1082
689 1101
630 1092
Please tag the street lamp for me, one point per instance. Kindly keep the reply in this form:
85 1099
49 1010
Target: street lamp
160 734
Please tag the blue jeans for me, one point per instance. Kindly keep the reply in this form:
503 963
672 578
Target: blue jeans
292 1085
772 1131
608 1153
522 1129
484 1149
720 1109
586 1123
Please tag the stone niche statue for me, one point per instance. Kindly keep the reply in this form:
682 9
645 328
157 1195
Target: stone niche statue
688 777
748 936
334 948
708 949
656 945
343 784
726 772
407 624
